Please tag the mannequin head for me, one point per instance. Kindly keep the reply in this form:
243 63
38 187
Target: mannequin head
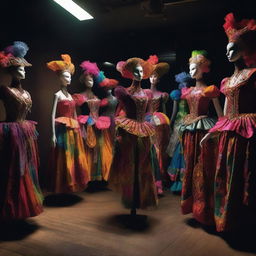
154 79
198 64
87 80
65 77
195 71
135 68
242 40
234 51
138 73
18 73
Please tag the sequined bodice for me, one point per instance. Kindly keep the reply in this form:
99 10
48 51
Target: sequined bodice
240 93
198 104
93 106
17 104
156 102
66 108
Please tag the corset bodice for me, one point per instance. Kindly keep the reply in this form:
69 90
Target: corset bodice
240 93
66 108
198 104
17 104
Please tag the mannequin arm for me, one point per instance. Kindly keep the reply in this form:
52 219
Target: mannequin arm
225 107
208 136
217 107
54 107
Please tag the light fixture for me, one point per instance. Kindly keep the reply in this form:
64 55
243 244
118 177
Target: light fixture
74 9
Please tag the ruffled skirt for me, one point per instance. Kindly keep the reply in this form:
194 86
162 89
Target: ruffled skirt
20 194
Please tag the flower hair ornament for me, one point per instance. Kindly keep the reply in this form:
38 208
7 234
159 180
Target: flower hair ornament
62 65
198 57
127 67
160 68
14 54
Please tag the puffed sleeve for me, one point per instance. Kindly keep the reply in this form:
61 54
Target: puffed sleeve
185 92
78 98
120 93
148 93
211 92
175 94
223 84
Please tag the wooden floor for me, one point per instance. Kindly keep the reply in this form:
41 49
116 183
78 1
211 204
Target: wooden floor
95 225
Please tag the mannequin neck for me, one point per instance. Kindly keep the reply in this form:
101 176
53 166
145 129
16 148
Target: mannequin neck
136 84
64 89
200 82
239 65
16 84
153 87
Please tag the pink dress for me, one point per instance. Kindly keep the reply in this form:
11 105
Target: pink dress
235 180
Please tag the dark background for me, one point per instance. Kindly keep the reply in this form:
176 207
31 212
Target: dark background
112 36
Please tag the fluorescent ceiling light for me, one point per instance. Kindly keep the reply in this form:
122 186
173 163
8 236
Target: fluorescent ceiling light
74 9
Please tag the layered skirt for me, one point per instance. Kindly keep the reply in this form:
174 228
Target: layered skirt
69 170
20 194
197 195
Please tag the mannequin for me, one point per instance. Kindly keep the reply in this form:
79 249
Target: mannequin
161 138
109 110
197 189
235 173
180 109
69 170
93 125
131 172
20 194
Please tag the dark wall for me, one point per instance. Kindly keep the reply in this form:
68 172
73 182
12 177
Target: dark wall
50 32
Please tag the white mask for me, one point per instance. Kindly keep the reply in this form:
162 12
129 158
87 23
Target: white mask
233 52
195 71
65 78
138 73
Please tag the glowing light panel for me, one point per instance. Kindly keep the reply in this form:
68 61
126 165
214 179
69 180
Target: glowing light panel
74 9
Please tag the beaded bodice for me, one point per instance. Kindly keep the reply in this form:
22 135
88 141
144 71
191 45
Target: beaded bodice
240 93
17 104
66 108
135 105
198 104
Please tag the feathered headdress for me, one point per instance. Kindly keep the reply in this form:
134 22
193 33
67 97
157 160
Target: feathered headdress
13 55
62 65
126 68
89 68
183 79
105 82
160 68
234 29
199 57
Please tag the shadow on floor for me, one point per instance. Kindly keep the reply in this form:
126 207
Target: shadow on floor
17 229
97 186
62 200
126 224
243 239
